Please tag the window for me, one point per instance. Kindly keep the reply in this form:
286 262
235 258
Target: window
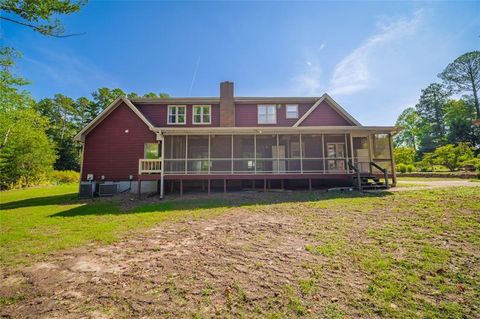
151 151
201 114
267 114
176 114
291 111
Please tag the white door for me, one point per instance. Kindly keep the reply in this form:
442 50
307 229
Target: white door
279 165
361 153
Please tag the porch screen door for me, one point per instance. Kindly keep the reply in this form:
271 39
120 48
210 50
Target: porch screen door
336 156
361 156
279 165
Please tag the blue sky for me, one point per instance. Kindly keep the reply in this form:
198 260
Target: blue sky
372 57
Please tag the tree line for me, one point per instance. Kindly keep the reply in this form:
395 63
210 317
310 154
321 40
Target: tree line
36 137
444 124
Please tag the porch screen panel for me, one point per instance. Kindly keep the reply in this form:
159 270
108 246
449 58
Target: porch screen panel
175 153
266 153
312 153
197 157
381 152
289 146
336 153
221 154
243 154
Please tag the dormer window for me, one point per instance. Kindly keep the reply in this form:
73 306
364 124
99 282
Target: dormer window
176 114
267 114
291 111
202 114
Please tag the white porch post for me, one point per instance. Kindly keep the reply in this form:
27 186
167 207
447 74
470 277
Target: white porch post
278 156
346 153
186 153
392 160
162 161
323 154
352 156
232 155
209 155
301 154
255 153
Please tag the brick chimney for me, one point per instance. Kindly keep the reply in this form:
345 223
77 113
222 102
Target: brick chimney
227 105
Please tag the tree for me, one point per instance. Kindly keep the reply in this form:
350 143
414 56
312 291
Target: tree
431 108
453 156
27 158
40 16
26 153
154 95
459 116
62 114
409 123
463 75
103 97
404 155
86 111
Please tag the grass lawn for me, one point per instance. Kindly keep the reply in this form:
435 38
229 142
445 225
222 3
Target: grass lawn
39 221
411 254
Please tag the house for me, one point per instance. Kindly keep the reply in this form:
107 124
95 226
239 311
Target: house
173 144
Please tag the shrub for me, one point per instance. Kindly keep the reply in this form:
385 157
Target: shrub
65 176
402 168
410 168
474 162
404 155
453 156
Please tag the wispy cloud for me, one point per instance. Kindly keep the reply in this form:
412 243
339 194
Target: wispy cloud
309 81
353 73
66 69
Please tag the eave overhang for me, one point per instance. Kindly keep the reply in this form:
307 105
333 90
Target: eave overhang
275 130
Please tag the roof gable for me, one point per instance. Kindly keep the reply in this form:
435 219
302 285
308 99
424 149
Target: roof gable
100 117
334 105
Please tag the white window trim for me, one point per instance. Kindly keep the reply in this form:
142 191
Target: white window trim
209 115
286 111
266 105
177 107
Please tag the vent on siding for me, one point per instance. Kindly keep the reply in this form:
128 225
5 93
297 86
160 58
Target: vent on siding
107 189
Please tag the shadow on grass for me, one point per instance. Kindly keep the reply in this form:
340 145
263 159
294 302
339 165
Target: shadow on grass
40 201
216 201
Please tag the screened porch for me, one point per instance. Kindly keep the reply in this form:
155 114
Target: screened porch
263 154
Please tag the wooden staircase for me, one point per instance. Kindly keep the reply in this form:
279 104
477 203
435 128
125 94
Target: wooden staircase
365 181
369 182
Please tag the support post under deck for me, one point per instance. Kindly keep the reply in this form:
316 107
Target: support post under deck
139 187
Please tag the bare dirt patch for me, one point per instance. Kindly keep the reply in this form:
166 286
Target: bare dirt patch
172 270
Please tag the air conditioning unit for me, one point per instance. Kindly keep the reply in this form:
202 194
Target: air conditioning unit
86 190
107 189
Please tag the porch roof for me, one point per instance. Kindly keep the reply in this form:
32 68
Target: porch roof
274 130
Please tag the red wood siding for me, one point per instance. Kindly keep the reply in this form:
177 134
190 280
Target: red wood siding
325 115
157 115
246 115
111 152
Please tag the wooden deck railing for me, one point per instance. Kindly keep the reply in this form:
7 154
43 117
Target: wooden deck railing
149 166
